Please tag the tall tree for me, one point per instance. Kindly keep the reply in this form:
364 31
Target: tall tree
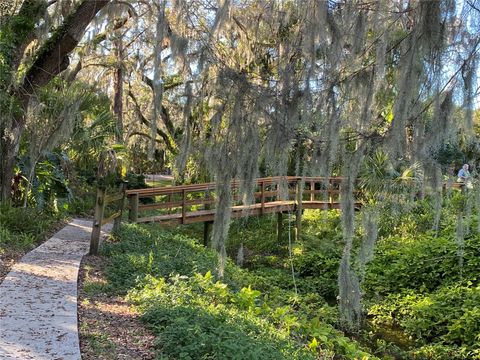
19 86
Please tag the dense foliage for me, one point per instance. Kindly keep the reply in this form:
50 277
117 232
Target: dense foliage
18 230
420 303
385 91
195 315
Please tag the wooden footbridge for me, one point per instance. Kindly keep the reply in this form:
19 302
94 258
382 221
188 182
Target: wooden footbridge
186 204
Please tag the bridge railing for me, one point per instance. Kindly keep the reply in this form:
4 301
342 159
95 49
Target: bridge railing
184 199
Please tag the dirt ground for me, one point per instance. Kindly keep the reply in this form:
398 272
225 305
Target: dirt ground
108 327
7 260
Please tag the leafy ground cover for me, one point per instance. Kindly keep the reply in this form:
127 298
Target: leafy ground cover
421 292
426 284
171 280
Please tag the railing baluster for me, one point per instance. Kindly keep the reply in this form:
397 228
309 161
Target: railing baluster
263 197
184 210
329 191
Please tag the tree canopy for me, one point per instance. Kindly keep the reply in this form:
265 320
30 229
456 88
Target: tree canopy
229 89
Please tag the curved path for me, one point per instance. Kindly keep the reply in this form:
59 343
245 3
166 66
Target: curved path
38 298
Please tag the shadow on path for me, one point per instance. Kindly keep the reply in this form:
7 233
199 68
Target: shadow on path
38 298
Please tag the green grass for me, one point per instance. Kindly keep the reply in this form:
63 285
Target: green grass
158 183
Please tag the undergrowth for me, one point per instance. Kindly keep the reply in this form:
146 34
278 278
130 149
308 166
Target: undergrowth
421 295
195 315
23 228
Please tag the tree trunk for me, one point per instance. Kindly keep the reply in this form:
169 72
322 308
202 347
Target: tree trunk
118 89
12 130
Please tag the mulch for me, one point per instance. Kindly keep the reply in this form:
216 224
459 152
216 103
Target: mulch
109 328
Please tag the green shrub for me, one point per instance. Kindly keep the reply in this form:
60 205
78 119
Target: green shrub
198 318
248 230
414 285
422 262
136 181
82 205
320 270
448 317
22 228
255 314
439 351
192 333
150 250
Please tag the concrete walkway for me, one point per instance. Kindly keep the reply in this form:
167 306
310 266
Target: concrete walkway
38 298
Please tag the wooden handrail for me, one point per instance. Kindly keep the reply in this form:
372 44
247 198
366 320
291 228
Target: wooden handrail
176 198
235 184
172 190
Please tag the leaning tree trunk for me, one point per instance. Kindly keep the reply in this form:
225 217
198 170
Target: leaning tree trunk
50 60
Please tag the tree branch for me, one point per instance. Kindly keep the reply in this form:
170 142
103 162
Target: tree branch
144 135
52 57
164 114
72 74
167 140
31 11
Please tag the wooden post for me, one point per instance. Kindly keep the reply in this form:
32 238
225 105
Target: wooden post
312 189
133 213
298 213
184 199
263 198
329 192
279 226
119 208
206 206
97 221
206 232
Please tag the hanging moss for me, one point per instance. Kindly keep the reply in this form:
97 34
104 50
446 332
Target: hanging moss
15 30
307 81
